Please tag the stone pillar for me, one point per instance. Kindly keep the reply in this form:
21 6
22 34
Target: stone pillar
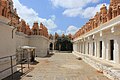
90 48
79 46
117 50
104 49
98 49
74 47
107 50
53 45
86 48
82 47
95 48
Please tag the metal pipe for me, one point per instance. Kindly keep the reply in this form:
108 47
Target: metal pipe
13 31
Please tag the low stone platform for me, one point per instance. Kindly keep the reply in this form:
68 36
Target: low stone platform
106 68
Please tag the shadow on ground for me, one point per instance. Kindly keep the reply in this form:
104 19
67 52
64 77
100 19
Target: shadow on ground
50 55
18 75
34 63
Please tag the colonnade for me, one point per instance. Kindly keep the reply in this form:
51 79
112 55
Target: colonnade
104 44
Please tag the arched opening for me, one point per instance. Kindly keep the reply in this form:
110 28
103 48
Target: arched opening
3 12
51 46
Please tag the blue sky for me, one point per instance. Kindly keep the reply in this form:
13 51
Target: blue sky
61 16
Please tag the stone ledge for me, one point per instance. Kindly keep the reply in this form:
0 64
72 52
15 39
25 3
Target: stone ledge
108 70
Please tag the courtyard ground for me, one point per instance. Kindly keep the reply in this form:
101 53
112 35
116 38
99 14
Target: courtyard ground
63 66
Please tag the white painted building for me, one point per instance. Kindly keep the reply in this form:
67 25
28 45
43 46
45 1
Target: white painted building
100 48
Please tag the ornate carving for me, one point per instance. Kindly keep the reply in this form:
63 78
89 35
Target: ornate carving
103 13
118 9
6 10
101 17
109 14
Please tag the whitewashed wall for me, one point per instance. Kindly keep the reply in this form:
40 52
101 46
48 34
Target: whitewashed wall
21 40
7 48
41 43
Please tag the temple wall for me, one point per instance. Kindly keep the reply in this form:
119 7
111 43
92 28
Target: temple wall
21 40
11 41
7 48
41 43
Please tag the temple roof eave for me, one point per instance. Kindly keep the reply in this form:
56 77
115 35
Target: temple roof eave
102 27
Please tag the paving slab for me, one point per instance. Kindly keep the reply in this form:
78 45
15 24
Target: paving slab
63 66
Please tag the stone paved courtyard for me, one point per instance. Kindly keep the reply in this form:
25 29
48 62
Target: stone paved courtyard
63 66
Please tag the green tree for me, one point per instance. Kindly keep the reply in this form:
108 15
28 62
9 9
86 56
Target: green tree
64 44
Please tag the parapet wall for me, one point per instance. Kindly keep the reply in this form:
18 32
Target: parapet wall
40 42
21 40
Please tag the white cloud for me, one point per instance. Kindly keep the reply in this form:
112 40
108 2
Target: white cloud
72 3
86 13
60 32
72 12
71 30
53 17
30 15
91 11
74 8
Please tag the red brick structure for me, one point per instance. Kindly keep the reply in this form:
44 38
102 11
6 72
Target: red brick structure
51 36
39 30
7 11
70 36
101 17
56 35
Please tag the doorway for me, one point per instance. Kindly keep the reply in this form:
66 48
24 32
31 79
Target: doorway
51 46
100 49
88 48
93 48
111 49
